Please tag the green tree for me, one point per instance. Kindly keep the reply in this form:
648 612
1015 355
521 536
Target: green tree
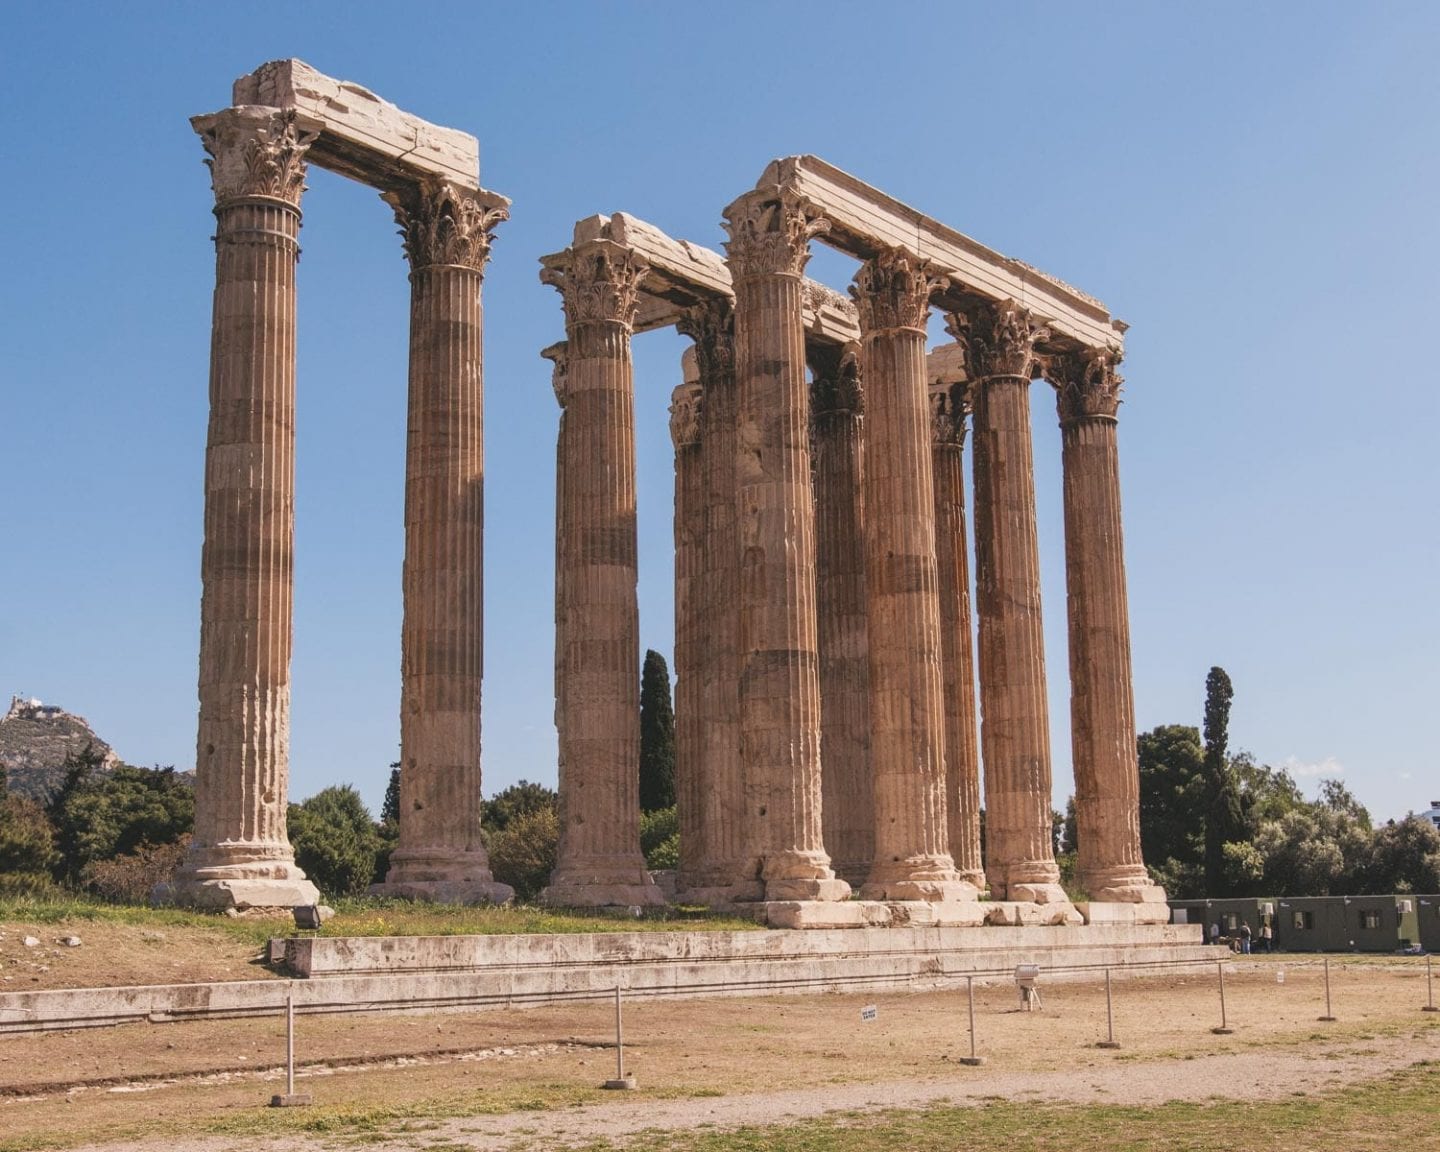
335 840
1315 849
101 815
1224 810
660 838
518 800
27 846
523 854
1172 815
390 806
1404 857
657 736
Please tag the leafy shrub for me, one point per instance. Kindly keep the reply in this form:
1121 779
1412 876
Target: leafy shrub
517 800
335 841
27 846
109 814
523 854
128 879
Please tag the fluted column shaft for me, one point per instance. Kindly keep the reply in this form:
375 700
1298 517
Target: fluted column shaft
907 712
240 855
1102 704
719 856
441 854
846 785
779 673
692 803
1015 721
962 752
599 860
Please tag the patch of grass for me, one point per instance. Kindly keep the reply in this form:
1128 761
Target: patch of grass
1397 1110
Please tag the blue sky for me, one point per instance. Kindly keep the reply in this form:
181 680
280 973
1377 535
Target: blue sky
1252 186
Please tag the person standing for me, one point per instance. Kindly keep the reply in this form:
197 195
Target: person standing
1245 938
1267 937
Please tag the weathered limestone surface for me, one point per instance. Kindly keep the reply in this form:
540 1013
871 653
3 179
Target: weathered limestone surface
1102 705
599 860
779 673
836 410
363 136
864 221
240 855
723 862
447 231
949 405
907 714
697 822
1020 856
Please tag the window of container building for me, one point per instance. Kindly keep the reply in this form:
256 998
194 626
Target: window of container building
1305 920
1370 919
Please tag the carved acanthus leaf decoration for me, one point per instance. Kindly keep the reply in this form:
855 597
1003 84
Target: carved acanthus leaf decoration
892 290
685 408
949 405
256 152
443 224
999 339
836 388
770 233
1087 385
712 326
599 282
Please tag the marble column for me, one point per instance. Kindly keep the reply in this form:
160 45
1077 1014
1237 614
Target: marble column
907 711
691 799
779 668
599 861
720 862
1015 720
836 412
1102 703
949 405
441 856
240 855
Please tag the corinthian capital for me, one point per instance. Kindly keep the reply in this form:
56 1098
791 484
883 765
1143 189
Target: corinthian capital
685 405
892 290
1087 385
599 282
999 339
712 326
949 405
445 225
256 151
770 232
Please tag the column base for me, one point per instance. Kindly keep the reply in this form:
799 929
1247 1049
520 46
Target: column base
444 891
1037 893
806 889
933 891
603 882
411 866
1032 881
238 875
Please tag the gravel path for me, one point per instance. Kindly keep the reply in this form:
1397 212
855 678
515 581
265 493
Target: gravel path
1257 1075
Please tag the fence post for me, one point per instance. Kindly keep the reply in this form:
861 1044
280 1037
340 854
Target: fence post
621 1080
1109 1041
972 1060
1224 1029
1328 1016
291 1099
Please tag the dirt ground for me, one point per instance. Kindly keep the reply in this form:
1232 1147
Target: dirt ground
537 1071
120 954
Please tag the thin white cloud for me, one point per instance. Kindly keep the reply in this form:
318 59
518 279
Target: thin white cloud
1326 769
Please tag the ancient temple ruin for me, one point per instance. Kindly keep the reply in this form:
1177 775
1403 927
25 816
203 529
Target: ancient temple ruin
284 117
825 707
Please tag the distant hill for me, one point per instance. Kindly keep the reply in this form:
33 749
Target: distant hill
35 741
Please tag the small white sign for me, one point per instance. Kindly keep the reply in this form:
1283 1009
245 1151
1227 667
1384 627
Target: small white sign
1280 976
869 1013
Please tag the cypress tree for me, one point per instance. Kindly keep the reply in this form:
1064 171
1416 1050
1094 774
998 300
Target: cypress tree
657 736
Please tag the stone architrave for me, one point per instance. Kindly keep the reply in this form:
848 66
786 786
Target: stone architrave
447 237
691 799
907 712
240 855
719 861
837 448
1102 705
779 671
1015 735
949 405
599 861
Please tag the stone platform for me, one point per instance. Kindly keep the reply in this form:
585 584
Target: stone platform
468 973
